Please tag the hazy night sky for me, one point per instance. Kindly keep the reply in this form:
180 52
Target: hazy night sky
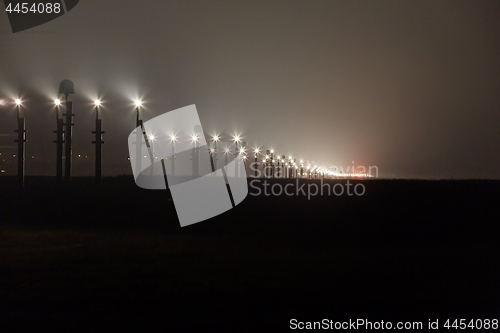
412 87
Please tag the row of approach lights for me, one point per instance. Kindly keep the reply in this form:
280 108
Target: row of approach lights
268 158
236 139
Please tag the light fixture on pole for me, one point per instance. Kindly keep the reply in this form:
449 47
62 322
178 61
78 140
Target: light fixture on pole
67 87
138 105
194 140
173 138
266 164
98 142
215 158
290 168
256 161
236 140
243 155
139 133
279 172
272 163
59 143
21 143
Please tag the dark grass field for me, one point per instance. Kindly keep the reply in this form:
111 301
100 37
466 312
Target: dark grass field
105 260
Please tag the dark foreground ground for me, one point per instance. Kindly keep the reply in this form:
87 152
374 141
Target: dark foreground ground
97 261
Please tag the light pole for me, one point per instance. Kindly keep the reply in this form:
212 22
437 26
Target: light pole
173 138
279 171
59 143
267 172
285 166
98 142
272 163
211 152
226 152
243 154
151 140
139 132
236 140
256 161
21 143
66 88
215 139
140 135
194 139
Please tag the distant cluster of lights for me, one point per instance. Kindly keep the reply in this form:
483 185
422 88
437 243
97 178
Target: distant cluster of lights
349 175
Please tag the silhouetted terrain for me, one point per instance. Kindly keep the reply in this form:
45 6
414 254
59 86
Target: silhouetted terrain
108 259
